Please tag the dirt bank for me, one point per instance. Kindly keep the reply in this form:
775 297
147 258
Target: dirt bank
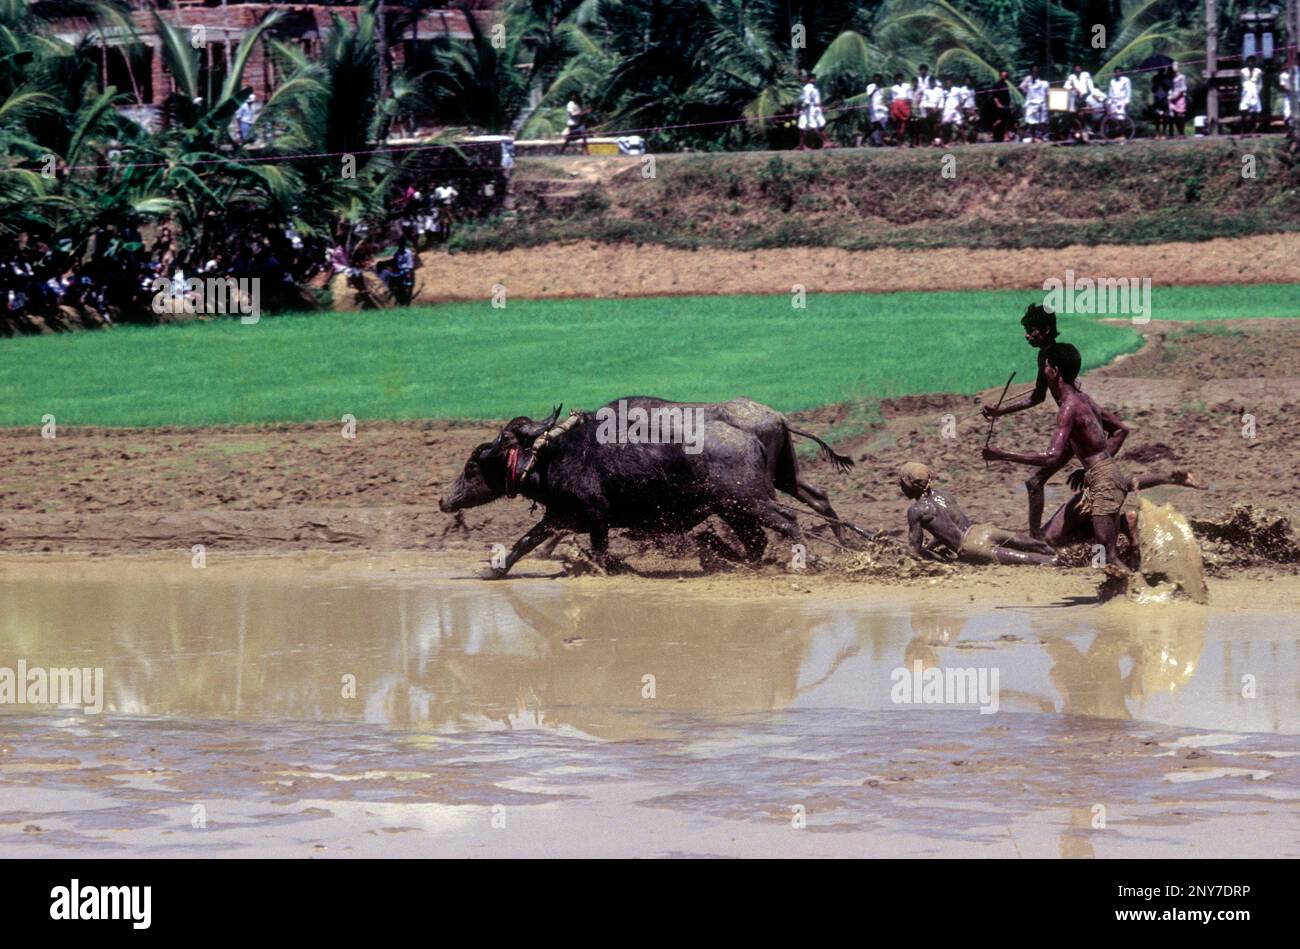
294 487
629 270
988 196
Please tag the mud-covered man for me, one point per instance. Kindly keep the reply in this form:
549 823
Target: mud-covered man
1040 332
939 514
1086 431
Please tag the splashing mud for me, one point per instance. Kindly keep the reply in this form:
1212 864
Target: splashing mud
887 560
1171 559
1246 537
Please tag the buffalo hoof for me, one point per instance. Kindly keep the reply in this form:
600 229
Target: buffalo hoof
716 555
578 563
614 565
493 573
713 562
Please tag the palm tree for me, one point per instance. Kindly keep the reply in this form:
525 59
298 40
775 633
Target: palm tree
51 115
1153 26
690 64
191 169
335 119
1017 33
948 38
478 82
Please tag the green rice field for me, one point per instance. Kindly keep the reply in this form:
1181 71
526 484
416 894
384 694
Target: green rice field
471 361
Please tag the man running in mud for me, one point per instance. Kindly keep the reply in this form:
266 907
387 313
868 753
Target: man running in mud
938 513
1090 433
1040 332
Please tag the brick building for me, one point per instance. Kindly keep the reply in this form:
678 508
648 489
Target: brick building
131 60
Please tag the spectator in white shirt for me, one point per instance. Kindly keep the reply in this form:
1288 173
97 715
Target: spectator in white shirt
811 117
1035 89
878 108
1079 85
968 95
970 109
1119 94
919 126
923 78
244 116
932 100
575 123
1250 105
1289 80
953 116
444 197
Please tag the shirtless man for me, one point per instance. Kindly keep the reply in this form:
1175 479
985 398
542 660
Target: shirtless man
1040 332
939 513
1090 433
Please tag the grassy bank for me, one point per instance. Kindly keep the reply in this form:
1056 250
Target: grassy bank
1000 196
473 361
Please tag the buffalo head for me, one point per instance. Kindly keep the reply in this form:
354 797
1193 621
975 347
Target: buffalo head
486 473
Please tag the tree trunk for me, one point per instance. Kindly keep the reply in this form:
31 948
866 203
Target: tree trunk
381 46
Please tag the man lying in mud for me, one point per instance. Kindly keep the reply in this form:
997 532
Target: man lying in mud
1092 434
1040 332
939 513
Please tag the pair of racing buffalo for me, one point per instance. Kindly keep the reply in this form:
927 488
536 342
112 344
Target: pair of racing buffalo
728 459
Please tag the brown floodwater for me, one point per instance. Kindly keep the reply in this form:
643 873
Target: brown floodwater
343 705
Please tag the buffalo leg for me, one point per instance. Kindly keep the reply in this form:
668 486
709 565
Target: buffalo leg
538 533
548 548
749 533
600 550
771 516
786 479
714 550
816 499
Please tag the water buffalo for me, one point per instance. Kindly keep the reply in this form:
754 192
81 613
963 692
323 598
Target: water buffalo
725 459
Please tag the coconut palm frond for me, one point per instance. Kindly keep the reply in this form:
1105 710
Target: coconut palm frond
181 58
235 75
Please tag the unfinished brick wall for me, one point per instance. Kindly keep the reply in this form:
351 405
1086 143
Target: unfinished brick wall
305 23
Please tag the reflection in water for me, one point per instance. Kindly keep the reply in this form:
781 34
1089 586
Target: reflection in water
1076 842
1148 653
454 656
451 655
931 629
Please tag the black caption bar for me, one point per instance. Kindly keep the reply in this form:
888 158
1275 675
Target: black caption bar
140 899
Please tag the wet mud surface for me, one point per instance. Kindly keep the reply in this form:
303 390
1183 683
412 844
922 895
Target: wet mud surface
335 705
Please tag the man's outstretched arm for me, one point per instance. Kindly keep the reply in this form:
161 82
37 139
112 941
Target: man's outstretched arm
1026 401
1057 453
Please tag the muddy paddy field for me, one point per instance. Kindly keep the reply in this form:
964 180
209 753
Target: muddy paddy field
335 679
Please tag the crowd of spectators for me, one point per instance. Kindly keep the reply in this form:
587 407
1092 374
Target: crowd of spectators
118 270
929 110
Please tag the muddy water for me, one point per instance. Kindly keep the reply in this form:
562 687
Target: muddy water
344 706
